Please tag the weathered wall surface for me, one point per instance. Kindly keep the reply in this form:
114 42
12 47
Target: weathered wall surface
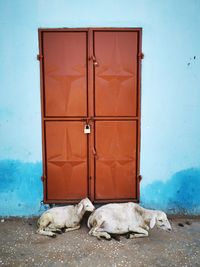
170 149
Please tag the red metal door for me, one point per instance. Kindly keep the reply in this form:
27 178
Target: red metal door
116 114
90 77
64 105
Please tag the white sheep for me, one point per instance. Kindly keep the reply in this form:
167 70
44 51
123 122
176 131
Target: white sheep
125 218
58 218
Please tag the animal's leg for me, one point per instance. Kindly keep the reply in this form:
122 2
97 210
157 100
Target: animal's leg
98 232
72 228
91 231
95 227
43 223
138 232
45 220
47 233
137 235
146 227
53 229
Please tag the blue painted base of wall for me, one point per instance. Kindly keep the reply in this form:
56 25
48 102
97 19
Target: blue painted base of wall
20 188
178 195
21 191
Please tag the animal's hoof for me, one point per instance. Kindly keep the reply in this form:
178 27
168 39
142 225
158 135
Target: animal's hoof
53 236
58 232
128 236
181 224
115 236
106 238
131 236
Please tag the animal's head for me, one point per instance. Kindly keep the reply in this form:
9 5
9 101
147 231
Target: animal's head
160 220
86 204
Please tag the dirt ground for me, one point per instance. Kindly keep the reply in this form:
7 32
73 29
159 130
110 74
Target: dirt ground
21 246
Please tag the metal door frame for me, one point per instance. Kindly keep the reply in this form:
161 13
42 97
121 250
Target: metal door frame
90 108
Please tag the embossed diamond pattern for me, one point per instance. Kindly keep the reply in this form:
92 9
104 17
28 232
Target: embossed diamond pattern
65 74
116 75
116 161
66 160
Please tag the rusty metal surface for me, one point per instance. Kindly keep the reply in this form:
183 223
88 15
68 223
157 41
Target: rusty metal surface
66 152
115 159
90 76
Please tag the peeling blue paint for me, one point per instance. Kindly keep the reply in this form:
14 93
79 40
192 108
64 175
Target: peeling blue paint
180 194
20 188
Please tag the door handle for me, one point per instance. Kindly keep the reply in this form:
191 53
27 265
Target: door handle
94 153
95 63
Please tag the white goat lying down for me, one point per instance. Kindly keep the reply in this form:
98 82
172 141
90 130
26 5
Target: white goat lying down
69 217
125 218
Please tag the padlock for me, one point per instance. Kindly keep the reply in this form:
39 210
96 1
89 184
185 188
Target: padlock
87 129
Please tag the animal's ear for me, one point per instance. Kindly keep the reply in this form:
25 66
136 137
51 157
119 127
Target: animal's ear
153 221
80 207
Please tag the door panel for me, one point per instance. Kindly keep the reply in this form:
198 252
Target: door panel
116 73
65 72
115 163
66 154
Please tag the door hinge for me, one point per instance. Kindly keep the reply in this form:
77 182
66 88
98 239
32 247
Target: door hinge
39 57
140 178
43 178
141 55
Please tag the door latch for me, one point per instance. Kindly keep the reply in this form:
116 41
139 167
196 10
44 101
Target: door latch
95 63
87 129
39 57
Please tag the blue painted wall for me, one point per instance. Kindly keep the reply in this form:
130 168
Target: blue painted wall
170 149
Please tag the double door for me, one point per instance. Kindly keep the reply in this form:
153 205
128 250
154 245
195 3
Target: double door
90 95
